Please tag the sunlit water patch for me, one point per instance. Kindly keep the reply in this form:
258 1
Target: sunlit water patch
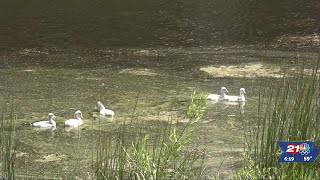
141 72
250 70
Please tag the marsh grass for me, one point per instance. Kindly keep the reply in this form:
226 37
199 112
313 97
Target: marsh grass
167 154
290 113
7 147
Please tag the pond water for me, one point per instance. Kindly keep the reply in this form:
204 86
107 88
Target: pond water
145 23
142 59
145 88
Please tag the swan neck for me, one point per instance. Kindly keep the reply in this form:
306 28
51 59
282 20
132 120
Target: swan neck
242 95
101 106
53 122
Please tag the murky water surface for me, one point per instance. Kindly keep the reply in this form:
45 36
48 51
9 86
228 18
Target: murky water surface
145 88
142 59
144 23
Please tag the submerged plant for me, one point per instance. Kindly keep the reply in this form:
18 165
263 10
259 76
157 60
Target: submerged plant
166 156
290 113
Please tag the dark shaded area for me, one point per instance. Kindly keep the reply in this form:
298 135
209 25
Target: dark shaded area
100 23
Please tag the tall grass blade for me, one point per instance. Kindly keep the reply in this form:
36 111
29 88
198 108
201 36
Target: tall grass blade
289 113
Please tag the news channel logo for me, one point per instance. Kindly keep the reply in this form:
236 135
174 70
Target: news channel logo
303 149
298 151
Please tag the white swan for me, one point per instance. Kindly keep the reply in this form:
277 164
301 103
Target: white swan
239 98
77 121
104 111
46 124
216 97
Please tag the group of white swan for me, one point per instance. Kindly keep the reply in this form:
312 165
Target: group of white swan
77 120
74 122
224 97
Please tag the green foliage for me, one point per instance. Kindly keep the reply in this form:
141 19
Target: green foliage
141 157
249 171
7 135
290 113
167 156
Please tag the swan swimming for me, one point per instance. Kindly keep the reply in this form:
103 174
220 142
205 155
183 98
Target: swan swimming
77 121
104 111
239 98
216 97
46 124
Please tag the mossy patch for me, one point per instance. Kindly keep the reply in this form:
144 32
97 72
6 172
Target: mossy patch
250 70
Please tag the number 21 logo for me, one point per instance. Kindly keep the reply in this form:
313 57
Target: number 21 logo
292 149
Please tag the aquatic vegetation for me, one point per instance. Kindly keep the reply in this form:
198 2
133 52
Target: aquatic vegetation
166 156
290 113
7 148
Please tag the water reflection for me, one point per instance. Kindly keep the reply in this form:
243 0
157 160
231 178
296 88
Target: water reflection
225 104
72 129
239 104
49 132
107 118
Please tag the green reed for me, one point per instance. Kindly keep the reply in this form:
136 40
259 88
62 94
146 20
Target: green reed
7 156
290 113
166 155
